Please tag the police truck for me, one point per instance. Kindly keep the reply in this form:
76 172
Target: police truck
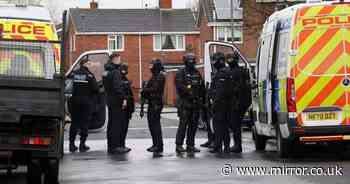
31 92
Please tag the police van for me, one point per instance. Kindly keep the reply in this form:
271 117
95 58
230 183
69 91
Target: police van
31 92
303 76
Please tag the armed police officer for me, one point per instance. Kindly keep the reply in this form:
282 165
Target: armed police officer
84 87
130 107
190 90
153 92
117 103
242 103
222 93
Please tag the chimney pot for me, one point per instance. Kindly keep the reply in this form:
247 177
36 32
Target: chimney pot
93 5
165 4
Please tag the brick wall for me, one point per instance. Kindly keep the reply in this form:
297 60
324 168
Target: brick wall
254 16
207 33
131 56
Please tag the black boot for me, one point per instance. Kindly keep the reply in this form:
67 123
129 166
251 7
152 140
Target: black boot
156 149
150 148
83 147
237 137
206 144
216 150
192 149
72 147
180 149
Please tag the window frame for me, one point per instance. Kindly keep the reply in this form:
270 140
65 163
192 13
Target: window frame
115 42
227 35
176 44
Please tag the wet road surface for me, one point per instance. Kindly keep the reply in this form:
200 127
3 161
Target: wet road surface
139 166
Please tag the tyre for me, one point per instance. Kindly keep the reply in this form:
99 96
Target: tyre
284 146
52 171
259 140
34 172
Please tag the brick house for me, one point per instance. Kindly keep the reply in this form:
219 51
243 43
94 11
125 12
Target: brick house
214 21
139 35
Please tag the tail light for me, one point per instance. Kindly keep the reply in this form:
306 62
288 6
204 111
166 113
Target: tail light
291 95
39 141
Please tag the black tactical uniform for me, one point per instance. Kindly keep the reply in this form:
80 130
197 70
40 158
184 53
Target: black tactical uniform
222 97
207 117
241 105
84 87
130 108
190 90
112 81
153 92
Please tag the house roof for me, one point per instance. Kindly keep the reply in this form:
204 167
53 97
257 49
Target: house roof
133 20
218 11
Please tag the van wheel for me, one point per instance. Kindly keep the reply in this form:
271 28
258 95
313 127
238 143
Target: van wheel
283 146
34 172
259 140
52 171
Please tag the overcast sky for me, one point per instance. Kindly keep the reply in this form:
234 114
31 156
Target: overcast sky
65 4
57 6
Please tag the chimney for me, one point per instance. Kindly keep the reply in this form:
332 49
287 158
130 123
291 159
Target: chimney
93 5
165 4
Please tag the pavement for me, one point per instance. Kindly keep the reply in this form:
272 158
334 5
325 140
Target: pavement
139 166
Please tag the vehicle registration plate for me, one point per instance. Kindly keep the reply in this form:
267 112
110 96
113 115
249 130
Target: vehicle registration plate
322 116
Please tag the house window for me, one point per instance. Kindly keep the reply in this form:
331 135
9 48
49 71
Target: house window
225 34
116 42
169 42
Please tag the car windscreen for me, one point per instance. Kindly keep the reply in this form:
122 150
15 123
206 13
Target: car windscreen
27 60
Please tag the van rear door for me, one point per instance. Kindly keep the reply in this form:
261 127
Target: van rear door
320 65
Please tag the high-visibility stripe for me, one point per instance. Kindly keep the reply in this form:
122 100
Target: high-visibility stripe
326 10
301 38
323 67
318 59
307 58
303 11
326 91
41 38
17 37
304 100
341 101
307 11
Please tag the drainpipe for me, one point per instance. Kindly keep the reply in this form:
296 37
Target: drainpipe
140 60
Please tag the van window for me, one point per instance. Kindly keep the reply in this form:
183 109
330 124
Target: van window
320 52
97 67
264 57
282 54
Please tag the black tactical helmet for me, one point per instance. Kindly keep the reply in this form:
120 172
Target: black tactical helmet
218 60
157 65
232 59
124 69
189 58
